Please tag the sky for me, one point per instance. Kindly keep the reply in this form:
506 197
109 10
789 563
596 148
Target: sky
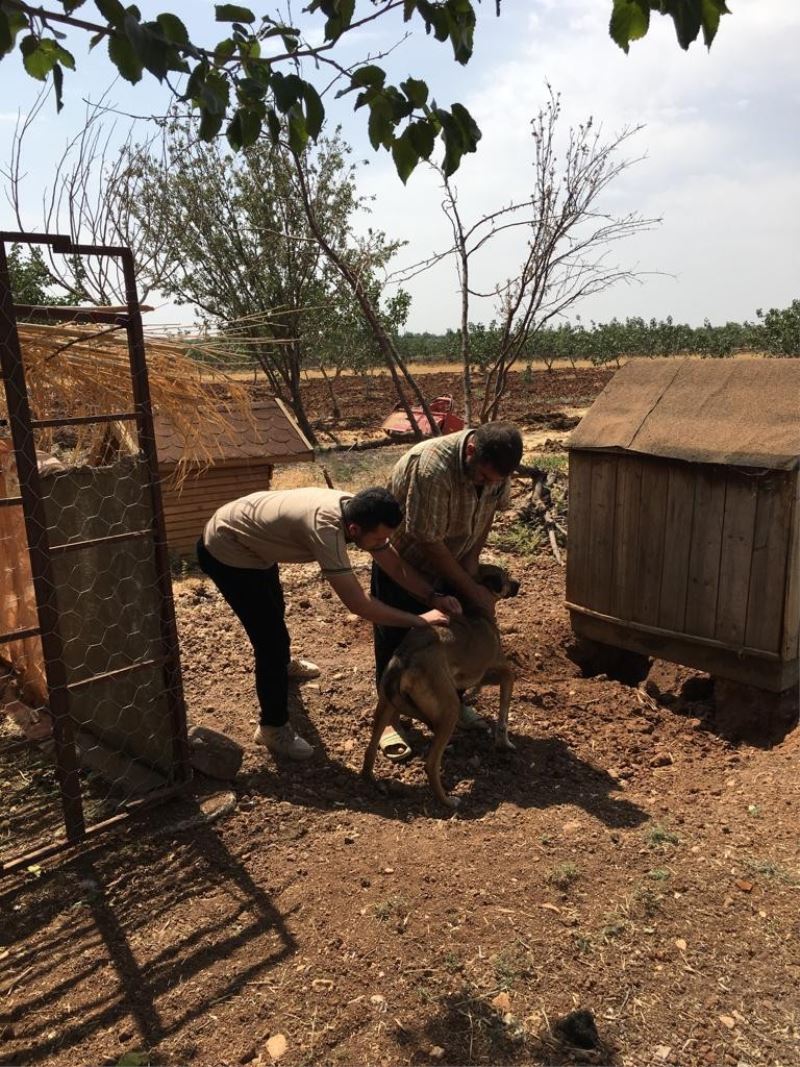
719 152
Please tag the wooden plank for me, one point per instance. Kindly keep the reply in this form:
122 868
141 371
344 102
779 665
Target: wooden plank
650 550
580 531
738 528
603 511
627 517
769 560
677 543
790 645
704 553
766 673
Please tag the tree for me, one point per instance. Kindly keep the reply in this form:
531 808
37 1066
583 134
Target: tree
30 279
91 197
241 81
566 252
243 252
782 329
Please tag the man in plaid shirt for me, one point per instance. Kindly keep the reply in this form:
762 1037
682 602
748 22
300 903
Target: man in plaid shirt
449 489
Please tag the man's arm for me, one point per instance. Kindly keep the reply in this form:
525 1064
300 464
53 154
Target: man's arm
444 562
393 564
348 589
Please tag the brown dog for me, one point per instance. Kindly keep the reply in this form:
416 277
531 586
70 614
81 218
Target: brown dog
423 678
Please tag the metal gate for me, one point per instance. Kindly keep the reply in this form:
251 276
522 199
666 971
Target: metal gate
95 562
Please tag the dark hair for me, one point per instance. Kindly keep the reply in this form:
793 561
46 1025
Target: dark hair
499 444
372 508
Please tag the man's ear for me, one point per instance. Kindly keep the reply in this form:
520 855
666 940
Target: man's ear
353 530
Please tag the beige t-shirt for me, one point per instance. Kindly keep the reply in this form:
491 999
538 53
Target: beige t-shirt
281 526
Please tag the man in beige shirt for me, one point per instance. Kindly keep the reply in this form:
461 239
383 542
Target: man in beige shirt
243 544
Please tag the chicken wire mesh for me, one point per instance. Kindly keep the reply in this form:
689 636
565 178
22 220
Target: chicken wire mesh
92 720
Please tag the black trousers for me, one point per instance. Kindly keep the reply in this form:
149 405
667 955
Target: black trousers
387 638
256 598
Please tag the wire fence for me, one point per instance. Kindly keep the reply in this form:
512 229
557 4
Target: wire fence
92 719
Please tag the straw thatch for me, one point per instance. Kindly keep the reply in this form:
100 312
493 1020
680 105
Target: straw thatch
84 370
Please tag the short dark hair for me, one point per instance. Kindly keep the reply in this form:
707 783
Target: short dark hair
372 508
499 444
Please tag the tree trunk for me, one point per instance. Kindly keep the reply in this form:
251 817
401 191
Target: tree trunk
385 344
336 411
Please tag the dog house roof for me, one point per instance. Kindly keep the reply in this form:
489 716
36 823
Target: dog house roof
271 436
736 412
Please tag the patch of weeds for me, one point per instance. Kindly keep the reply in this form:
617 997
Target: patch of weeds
615 927
451 963
754 810
551 461
770 869
509 967
425 993
648 901
392 907
582 943
658 835
546 839
518 538
658 874
563 876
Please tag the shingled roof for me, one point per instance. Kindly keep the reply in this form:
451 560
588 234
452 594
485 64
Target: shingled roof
269 435
736 412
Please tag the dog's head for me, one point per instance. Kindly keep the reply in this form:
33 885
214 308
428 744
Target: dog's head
497 581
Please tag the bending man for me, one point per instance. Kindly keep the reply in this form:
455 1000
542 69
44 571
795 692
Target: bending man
240 550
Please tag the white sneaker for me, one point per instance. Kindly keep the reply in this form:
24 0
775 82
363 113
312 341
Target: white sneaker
283 741
303 670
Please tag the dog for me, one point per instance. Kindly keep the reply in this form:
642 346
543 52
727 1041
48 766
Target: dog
423 678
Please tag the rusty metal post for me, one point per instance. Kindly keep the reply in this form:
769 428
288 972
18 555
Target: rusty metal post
39 552
147 443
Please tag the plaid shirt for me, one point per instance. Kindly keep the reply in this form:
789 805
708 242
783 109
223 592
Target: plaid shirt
440 502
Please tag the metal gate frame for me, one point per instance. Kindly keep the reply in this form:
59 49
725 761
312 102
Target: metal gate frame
41 551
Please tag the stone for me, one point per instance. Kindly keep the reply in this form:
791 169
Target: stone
214 754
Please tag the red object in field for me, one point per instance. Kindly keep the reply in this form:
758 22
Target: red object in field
397 424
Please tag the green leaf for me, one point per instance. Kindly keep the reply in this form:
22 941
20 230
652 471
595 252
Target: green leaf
369 75
298 134
287 89
340 15
123 55
38 56
112 11
72 5
58 85
405 156
233 13
243 129
11 22
315 111
210 124
173 29
274 124
416 91
630 20
422 136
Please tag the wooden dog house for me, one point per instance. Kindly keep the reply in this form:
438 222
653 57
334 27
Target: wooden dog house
233 462
684 516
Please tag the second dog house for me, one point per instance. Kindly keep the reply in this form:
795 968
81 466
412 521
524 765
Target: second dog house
235 462
684 516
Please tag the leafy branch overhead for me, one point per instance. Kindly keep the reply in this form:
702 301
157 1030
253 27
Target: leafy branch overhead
248 81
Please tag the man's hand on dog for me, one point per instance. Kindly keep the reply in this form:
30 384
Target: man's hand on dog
434 617
448 604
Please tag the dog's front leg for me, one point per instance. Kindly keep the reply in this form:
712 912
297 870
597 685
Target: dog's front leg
506 678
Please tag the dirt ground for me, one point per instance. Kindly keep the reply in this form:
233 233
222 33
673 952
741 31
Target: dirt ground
626 859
